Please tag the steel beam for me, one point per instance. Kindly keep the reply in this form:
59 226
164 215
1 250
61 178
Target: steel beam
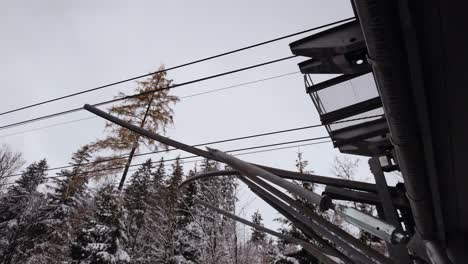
397 252
351 110
293 175
279 172
336 193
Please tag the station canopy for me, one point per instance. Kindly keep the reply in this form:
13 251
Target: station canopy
351 95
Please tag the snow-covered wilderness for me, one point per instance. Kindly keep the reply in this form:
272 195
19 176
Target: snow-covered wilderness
149 221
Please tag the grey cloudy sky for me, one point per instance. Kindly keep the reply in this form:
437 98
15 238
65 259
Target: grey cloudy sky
52 48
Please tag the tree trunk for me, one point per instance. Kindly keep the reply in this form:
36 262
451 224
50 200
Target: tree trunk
135 146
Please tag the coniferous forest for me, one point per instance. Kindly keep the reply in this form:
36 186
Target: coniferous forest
149 221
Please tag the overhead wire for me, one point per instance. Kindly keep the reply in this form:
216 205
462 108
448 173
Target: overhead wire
145 93
195 156
172 149
216 142
175 67
256 152
182 97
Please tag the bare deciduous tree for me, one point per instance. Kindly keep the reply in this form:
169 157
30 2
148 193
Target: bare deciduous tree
344 167
10 162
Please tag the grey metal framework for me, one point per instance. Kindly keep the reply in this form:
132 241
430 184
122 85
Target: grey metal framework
319 230
351 96
373 77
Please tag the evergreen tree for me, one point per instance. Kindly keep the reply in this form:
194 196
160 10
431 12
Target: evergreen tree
217 229
291 253
71 188
171 199
159 176
143 209
65 207
189 234
190 192
19 215
102 238
301 166
287 227
258 237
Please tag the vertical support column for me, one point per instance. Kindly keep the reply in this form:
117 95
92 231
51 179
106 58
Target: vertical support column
399 253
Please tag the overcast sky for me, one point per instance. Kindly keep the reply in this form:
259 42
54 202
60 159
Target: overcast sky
52 48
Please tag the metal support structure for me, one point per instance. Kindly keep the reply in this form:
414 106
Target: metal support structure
284 209
312 249
351 110
336 193
313 88
397 252
252 171
298 220
379 20
363 186
352 247
303 223
378 228
293 175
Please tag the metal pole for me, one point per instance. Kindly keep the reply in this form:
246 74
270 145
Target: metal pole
293 175
282 173
252 171
337 193
398 252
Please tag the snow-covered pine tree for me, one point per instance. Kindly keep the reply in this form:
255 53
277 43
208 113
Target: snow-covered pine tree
137 195
159 176
228 226
257 237
169 215
189 233
261 247
19 215
65 207
301 166
289 251
102 238
142 200
218 230
287 226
